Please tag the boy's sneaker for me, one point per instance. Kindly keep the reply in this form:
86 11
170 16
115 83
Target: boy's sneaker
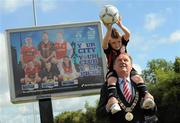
148 103
115 108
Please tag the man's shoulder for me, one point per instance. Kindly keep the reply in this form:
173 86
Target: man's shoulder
105 83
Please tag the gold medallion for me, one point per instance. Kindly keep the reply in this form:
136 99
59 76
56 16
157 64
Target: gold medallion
129 116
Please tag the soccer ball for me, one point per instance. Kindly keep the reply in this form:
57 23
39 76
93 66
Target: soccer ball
109 14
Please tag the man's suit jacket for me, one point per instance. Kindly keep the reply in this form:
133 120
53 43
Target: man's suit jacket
119 117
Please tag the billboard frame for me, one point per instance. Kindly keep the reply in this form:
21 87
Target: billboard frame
54 95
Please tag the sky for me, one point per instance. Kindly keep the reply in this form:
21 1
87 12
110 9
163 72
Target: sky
154 27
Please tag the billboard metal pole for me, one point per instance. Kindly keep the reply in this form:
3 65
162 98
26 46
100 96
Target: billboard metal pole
45 105
46 114
34 13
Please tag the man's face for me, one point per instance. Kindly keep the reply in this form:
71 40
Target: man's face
123 64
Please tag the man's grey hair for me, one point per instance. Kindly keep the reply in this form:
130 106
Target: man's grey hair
125 54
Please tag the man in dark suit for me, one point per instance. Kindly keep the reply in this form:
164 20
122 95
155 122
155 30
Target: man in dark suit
128 97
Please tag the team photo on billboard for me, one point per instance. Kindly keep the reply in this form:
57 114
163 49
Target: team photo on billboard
55 59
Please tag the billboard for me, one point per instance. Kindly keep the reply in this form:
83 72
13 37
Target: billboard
55 61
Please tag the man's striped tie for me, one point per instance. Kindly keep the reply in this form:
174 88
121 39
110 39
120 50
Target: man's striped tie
126 91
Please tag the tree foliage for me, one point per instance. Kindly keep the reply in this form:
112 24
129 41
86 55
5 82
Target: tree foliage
153 67
166 89
177 65
80 116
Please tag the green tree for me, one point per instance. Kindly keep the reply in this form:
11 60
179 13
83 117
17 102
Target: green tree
177 65
80 116
154 66
166 91
70 117
90 113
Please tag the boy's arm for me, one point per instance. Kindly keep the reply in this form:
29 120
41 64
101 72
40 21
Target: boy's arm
124 29
107 36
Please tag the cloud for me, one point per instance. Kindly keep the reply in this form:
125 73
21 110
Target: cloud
138 40
5 99
4 92
153 20
2 44
169 10
148 41
48 5
13 119
3 64
71 103
13 5
25 109
102 2
175 36
19 118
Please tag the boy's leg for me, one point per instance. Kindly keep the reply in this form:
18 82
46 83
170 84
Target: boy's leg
148 100
111 80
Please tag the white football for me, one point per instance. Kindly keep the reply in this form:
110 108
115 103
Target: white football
109 14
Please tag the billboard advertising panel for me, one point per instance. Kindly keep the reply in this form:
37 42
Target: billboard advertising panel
55 61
